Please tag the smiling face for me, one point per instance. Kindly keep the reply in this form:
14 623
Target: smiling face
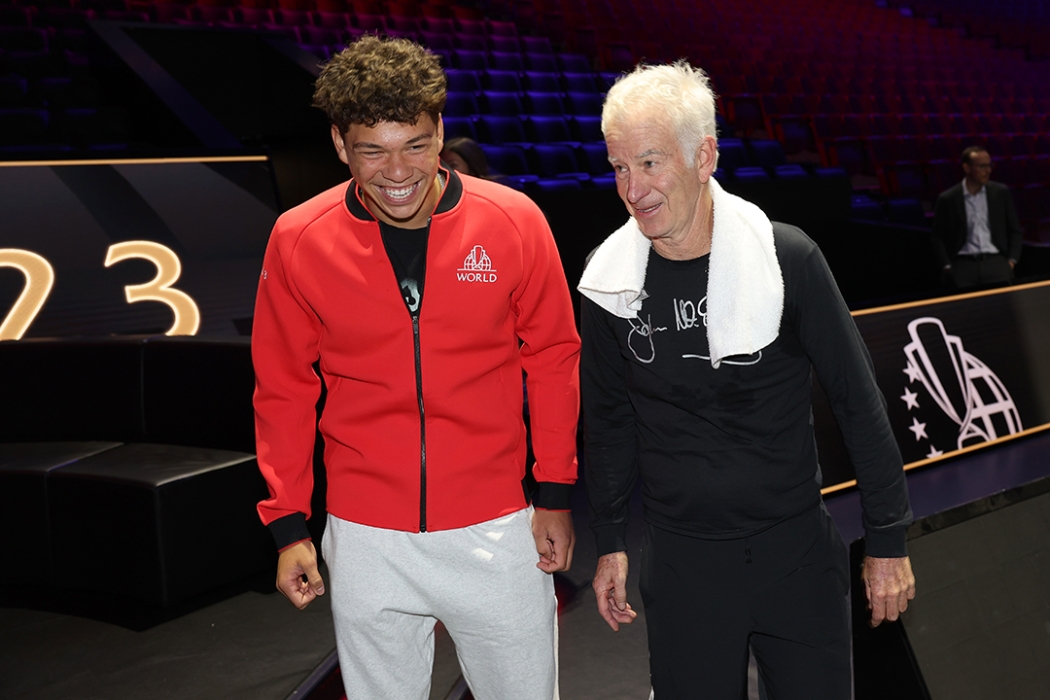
396 167
663 192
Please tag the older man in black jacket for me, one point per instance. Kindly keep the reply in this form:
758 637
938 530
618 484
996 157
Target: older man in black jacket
976 232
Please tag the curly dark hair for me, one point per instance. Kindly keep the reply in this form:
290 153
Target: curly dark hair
381 79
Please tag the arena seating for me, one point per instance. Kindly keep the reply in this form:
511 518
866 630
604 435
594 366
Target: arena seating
891 95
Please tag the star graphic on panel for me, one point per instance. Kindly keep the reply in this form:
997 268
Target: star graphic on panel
918 428
910 398
934 452
913 372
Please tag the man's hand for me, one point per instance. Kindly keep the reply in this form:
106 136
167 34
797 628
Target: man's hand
294 562
889 585
555 539
610 588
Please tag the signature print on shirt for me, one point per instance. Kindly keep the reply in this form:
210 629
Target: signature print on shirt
687 315
640 339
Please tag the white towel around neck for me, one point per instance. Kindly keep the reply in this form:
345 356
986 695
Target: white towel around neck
745 288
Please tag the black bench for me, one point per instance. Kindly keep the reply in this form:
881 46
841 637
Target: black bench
127 465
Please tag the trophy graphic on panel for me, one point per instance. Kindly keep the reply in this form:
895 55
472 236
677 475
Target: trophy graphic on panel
960 385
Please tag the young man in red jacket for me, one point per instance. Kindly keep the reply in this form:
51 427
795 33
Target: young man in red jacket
423 295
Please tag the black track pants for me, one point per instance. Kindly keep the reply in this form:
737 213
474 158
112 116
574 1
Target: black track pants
783 591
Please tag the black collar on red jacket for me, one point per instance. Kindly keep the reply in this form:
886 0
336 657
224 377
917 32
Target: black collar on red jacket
449 198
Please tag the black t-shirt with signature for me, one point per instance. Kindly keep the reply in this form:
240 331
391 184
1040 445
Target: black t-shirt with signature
727 452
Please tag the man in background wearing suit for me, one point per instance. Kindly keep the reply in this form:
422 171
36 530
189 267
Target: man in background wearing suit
976 232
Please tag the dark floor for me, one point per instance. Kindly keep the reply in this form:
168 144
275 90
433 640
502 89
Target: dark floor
254 645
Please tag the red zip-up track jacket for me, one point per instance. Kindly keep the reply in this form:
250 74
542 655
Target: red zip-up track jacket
423 419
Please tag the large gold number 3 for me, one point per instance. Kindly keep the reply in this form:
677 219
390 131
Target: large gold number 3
40 277
187 316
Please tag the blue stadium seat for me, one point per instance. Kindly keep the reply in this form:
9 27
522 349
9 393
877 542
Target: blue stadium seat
541 62
470 60
584 103
470 42
502 80
461 104
556 160
587 128
542 82
767 153
575 63
609 79
579 82
444 55
500 129
506 103
864 208
548 129
502 28
791 171
506 61
594 158
558 185
905 211
505 159
509 162
459 126
722 126
544 103
463 80
436 41
732 154
829 173
751 173
537 45
849 154
505 44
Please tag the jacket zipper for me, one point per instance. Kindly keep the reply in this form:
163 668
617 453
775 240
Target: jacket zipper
422 428
414 315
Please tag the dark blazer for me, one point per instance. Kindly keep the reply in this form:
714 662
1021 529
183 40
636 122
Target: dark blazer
949 223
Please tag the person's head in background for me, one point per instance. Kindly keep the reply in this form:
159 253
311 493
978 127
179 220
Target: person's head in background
977 164
465 156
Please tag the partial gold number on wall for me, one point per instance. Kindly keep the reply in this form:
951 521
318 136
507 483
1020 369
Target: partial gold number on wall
187 316
40 277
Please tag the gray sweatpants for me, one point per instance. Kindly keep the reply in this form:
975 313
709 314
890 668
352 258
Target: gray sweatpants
388 588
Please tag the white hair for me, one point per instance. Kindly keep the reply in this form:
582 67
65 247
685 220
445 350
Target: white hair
679 91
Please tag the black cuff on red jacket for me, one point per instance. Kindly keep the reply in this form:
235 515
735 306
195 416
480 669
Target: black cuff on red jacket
552 496
289 529
610 538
